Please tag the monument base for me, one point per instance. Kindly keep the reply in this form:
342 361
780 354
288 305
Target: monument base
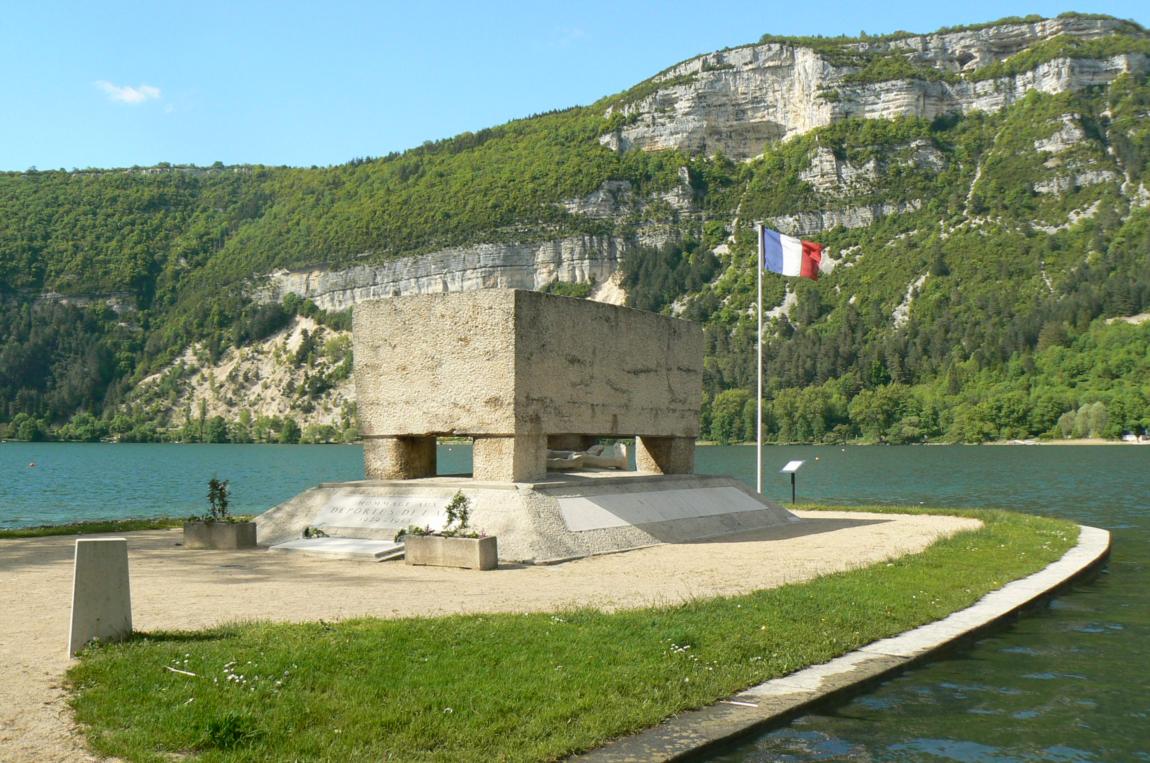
564 516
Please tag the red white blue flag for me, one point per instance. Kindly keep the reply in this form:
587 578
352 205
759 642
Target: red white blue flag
790 256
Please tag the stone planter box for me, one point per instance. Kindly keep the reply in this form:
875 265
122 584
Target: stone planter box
220 535
437 551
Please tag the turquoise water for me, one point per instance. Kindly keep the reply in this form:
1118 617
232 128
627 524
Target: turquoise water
1069 682
73 481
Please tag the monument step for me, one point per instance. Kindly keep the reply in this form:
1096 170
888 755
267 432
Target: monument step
344 548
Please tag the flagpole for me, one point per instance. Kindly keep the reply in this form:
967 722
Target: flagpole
759 395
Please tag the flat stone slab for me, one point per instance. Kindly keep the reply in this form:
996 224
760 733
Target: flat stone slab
599 512
344 548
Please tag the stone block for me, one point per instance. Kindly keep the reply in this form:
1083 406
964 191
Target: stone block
503 362
509 459
437 551
220 535
518 371
399 458
101 596
665 455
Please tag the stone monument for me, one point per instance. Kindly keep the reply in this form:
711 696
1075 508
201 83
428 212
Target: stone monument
521 372
532 379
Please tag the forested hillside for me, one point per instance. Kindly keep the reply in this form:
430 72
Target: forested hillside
977 254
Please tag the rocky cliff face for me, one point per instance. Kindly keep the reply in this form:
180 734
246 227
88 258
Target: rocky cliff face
734 101
484 266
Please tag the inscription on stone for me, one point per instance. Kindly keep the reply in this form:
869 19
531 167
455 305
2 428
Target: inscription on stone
382 511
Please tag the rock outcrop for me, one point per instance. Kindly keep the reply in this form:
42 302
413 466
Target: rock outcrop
483 266
806 223
734 101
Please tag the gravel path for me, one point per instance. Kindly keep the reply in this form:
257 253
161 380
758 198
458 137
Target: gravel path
175 588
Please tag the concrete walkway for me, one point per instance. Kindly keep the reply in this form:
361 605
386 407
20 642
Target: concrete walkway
776 701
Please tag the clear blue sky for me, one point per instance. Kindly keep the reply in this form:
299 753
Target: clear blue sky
117 83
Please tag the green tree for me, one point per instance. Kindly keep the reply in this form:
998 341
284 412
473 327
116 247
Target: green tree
216 430
83 427
875 411
728 423
289 432
26 428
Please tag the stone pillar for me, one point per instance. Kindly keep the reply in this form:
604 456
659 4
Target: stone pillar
665 455
398 458
521 458
570 441
101 599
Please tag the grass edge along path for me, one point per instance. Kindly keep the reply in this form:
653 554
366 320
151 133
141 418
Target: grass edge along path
101 526
91 527
534 686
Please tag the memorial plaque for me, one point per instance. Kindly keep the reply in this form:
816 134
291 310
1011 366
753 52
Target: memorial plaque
383 511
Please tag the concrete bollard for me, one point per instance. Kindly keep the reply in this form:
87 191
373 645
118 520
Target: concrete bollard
101 599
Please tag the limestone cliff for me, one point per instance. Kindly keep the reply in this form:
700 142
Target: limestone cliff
734 101
483 266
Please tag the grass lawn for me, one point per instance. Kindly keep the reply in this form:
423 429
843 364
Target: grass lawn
516 687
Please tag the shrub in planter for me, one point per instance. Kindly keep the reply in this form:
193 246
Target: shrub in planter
456 545
218 529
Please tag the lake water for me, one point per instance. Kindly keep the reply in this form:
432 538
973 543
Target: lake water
1070 682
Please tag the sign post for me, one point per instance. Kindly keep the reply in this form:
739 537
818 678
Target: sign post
792 468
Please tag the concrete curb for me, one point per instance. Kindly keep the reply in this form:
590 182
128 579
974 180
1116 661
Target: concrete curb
776 701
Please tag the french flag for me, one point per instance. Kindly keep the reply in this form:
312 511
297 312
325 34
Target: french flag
790 256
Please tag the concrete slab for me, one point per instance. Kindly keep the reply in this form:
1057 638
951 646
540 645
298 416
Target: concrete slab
778 700
344 548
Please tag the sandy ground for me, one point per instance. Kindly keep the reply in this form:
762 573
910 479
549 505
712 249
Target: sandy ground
175 588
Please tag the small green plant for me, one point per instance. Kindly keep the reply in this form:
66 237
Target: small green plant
217 503
415 530
314 532
458 513
458 521
218 499
228 731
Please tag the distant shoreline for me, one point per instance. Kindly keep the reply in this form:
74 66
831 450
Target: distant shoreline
700 443
1073 441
